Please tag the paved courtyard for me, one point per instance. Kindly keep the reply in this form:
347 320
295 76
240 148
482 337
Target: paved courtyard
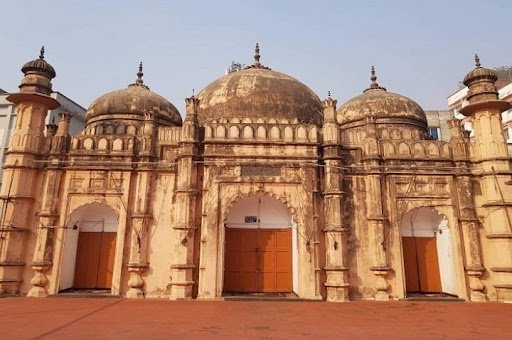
102 318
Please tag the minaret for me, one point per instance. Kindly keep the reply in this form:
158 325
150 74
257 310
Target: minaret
20 185
491 164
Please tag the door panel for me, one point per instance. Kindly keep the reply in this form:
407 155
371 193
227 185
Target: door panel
265 261
106 260
283 260
430 280
87 260
233 260
248 274
412 282
258 260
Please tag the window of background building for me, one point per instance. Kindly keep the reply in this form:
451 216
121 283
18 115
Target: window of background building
434 133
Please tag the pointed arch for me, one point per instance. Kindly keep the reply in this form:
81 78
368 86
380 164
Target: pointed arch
89 247
428 257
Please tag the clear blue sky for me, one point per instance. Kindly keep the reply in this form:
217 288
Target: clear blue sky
421 49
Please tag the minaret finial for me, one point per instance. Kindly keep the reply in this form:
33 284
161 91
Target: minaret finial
193 92
257 55
41 53
477 60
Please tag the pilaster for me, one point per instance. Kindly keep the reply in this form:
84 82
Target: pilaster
466 212
141 217
336 269
375 209
184 229
138 264
49 214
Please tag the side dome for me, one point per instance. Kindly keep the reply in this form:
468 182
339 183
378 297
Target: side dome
258 92
385 106
131 104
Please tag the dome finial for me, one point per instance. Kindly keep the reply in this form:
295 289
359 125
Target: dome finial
41 53
257 55
477 60
374 85
329 94
256 63
139 75
373 78
139 81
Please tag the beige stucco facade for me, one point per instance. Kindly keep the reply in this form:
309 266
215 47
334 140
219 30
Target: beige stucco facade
352 182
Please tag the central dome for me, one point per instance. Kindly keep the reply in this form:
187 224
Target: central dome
258 92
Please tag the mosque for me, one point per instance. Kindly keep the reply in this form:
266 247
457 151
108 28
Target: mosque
261 188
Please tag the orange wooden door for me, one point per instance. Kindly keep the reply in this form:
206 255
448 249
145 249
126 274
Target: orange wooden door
428 265
258 260
421 265
94 260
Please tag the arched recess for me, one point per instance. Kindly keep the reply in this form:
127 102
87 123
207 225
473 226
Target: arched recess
260 252
89 248
429 263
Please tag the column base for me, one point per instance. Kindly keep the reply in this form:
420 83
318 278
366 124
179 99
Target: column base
136 283
336 283
477 297
337 294
133 293
504 293
381 285
37 292
39 280
182 281
476 285
181 290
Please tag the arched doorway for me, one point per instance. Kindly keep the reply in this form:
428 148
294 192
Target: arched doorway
89 248
260 247
427 253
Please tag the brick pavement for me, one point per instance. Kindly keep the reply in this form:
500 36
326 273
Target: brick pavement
102 318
